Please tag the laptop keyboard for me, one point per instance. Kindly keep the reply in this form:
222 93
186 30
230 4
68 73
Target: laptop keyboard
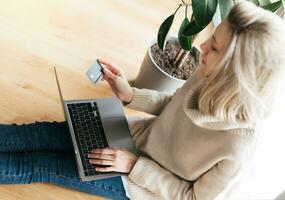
89 132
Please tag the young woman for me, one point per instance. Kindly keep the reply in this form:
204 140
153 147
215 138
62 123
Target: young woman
200 138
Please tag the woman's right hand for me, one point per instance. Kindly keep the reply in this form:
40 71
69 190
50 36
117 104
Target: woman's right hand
117 81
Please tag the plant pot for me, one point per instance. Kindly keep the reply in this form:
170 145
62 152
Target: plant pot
151 76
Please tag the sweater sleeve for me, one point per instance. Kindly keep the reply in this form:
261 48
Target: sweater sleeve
149 175
153 102
150 101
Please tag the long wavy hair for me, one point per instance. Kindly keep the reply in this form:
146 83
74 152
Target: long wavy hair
240 87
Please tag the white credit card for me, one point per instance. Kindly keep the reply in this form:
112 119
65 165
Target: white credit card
95 72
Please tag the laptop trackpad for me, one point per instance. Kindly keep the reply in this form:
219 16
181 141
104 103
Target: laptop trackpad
117 133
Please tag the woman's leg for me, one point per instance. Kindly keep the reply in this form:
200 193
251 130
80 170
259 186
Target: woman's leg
56 168
35 136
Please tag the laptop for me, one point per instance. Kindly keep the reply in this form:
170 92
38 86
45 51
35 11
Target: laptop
94 124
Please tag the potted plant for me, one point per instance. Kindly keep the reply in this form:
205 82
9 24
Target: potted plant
170 61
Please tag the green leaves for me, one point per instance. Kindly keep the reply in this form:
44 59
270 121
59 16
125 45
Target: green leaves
273 6
184 41
192 28
163 31
256 2
204 10
225 7
264 2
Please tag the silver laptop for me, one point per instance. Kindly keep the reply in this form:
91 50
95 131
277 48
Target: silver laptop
93 124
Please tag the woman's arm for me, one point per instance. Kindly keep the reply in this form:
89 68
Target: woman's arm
150 101
145 100
154 102
149 175
159 181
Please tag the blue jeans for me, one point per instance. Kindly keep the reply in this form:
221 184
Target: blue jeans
43 152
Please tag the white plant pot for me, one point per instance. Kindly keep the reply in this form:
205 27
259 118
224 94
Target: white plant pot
151 76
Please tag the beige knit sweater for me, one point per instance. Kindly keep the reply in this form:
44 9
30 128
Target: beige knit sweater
184 153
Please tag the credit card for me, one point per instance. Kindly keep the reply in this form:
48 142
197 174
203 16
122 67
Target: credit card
95 73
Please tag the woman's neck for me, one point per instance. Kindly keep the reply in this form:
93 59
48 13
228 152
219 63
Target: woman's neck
201 73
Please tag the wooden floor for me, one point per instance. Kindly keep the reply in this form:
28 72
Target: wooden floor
36 35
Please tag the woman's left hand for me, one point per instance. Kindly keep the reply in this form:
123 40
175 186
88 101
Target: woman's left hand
115 159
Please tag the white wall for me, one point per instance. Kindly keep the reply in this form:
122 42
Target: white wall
266 178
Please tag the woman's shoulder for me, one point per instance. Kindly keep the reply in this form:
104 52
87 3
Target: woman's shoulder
242 143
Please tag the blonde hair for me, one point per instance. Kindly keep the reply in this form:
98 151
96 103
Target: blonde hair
239 89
